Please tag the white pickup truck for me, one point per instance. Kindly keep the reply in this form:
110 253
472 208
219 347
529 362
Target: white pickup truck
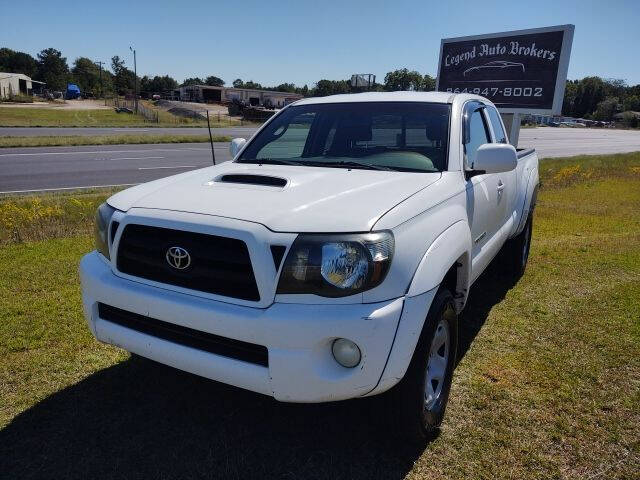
329 260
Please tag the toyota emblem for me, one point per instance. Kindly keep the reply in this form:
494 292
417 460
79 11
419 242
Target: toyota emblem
178 258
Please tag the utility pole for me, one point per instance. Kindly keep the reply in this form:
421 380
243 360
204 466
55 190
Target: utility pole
101 85
135 73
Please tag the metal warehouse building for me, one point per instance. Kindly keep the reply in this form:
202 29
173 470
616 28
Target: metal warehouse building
15 84
208 94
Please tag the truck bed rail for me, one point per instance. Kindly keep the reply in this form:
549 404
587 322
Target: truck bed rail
523 152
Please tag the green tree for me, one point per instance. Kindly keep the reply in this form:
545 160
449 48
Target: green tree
570 92
17 62
237 83
630 120
615 87
252 84
86 74
606 109
214 81
117 64
631 103
53 69
403 79
157 84
428 83
124 80
590 92
286 87
331 87
192 81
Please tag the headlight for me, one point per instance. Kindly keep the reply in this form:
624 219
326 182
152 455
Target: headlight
336 265
101 228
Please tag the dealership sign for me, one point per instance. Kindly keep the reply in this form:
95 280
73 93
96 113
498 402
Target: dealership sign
523 71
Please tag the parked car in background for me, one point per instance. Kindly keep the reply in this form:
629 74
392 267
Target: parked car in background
329 260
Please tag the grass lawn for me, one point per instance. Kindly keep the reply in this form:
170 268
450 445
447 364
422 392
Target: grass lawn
71 140
58 117
547 385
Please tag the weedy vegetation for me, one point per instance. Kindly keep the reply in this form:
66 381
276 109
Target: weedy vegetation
547 384
58 117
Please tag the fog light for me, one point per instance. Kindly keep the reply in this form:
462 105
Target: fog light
346 352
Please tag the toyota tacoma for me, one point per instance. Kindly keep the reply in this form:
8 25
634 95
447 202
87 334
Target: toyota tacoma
329 260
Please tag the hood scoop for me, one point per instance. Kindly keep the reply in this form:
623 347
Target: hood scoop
250 179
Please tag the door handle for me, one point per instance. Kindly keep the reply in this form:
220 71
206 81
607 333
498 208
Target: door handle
500 186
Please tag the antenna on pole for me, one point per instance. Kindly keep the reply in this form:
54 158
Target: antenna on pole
213 154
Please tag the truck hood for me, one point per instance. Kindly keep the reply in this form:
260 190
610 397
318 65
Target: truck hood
314 199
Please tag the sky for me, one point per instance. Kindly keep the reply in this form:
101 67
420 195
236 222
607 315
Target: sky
305 41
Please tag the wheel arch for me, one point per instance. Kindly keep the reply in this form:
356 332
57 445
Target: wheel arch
530 199
446 262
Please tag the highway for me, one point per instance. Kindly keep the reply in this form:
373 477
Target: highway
59 168
54 168
566 142
244 132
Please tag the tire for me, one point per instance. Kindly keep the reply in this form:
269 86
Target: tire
415 410
517 250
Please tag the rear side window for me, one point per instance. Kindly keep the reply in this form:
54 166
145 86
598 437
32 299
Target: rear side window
498 131
478 135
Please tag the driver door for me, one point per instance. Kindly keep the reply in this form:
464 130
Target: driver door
484 196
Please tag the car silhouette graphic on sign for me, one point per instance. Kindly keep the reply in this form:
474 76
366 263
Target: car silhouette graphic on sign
499 65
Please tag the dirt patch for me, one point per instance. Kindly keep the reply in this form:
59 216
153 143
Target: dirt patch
193 109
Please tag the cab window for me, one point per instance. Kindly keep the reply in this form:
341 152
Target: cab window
478 135
498 131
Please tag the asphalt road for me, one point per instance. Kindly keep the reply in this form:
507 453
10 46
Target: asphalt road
244 132
57 168
566 142
53 168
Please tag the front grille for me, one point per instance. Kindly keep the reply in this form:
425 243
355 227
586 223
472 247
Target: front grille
208 342
218 265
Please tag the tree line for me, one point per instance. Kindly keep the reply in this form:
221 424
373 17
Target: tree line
596 98
591 97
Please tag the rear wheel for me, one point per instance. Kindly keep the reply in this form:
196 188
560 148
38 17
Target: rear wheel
419 401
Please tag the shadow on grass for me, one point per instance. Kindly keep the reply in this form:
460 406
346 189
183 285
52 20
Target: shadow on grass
139 419
488 290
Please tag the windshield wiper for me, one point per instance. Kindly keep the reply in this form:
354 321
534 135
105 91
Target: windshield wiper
311 163
271 161
350 164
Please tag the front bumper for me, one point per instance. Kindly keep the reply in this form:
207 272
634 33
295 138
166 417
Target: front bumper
298 337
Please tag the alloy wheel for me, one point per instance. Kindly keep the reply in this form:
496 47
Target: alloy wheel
437 364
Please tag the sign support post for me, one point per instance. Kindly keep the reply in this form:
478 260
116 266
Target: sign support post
512 126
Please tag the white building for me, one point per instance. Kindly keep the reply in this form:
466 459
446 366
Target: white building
208 94
15 84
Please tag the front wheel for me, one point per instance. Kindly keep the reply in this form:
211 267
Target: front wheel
420 399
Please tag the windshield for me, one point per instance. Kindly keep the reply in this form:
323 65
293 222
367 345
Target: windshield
399 136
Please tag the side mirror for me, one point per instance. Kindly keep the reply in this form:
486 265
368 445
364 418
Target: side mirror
495 158
236 146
